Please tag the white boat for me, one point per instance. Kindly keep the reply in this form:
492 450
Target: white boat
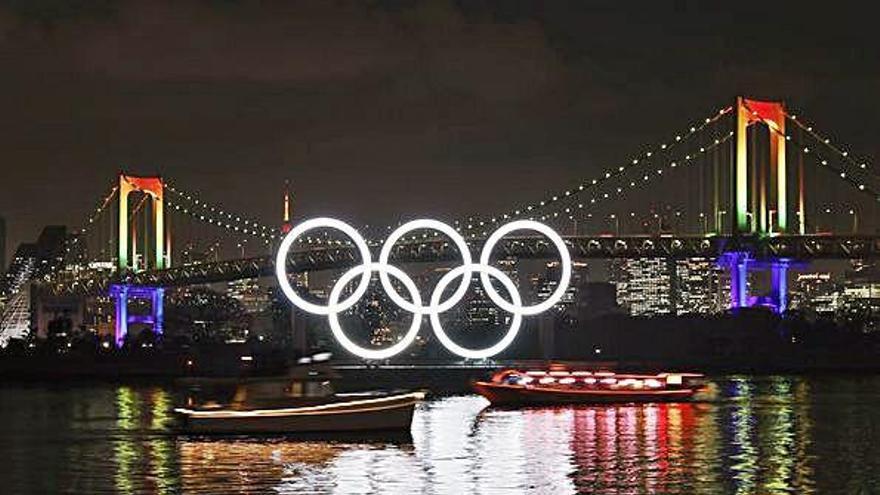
300 403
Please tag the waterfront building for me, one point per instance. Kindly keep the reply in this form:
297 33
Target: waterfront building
859 298
644 285
546 285
248 292
697 287
657 286
816 291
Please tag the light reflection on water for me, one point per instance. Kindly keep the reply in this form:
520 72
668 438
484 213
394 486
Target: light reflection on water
745 435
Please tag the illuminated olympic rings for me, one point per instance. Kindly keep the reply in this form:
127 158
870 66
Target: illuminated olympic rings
414 303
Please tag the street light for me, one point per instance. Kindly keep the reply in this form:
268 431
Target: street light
718 224
616 223
703 223
855 215
826 211
771 213
751 217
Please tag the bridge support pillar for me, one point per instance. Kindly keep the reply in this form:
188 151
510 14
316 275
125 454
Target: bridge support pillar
779 284
121 294
737 264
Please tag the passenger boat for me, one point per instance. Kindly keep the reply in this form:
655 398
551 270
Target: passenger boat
516 387
303 402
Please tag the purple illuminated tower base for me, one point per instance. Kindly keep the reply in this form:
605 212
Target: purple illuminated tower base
738 264
121 293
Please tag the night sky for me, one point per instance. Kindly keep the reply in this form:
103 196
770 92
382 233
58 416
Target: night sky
376 110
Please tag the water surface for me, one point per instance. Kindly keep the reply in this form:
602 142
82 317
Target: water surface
745 435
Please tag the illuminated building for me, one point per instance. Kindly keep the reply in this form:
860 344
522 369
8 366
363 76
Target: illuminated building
698 287
644 285
859 299
509 267
253 298
480 310
817 291
655 286
546 285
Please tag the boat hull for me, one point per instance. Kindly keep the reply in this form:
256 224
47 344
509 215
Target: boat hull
386 414
502 394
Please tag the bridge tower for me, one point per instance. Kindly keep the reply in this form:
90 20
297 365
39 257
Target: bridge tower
760 197
286 224
154 188
760 186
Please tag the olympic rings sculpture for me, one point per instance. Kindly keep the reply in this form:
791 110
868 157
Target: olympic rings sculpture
435 306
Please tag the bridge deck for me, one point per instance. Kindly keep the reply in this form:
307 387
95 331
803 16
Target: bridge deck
803 248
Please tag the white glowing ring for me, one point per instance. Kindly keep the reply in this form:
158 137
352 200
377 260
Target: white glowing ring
485 270
334 317
334 307
564 261
281 265
459 242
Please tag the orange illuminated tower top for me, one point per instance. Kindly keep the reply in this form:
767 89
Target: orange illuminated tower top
154 187
286 225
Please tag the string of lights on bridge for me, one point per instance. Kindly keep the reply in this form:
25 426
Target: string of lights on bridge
569 210
849 176
216 215
523 211
844 155
106 201
212 214
190 204
586 208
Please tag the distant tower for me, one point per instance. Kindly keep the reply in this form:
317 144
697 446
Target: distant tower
286 225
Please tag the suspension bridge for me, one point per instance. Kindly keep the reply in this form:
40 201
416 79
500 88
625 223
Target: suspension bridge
752 186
